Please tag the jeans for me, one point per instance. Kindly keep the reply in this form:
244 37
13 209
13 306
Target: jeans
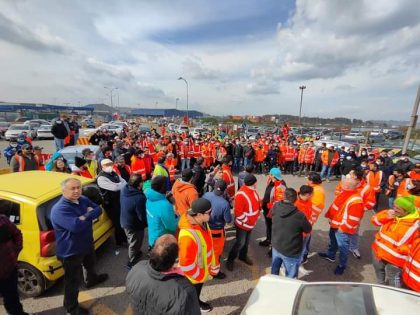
354 240
391 202
240 248
185 163
73 274
342 243
247 161
384 269
332 246
305 249
134 240
59 144
9 292
237 163
76 137
291 263
326 169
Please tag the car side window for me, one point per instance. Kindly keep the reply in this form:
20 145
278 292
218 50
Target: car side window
10 209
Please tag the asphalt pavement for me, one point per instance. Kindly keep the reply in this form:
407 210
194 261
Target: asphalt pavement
227 296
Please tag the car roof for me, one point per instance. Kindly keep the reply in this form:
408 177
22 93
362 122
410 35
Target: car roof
35 185
79 148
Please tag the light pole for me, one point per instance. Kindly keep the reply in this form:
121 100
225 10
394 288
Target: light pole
111 89
302 87
176 103
186 82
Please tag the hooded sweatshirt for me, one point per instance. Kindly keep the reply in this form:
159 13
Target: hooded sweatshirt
289 224
184 194
161 217
133 208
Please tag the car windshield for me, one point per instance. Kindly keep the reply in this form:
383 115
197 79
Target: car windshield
45 127
343 299
19 127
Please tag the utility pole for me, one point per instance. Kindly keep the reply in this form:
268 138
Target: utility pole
302 87
413 122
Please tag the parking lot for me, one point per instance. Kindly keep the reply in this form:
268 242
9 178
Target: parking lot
228 296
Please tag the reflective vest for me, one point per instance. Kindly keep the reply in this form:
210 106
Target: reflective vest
196 150
117 170
290 154
204 264
318 201
368 196
346 212
21 161
138 167
309 157
413 175
324 158
393 239
170 165
277 193
247 207
229 180
185 151
403 188
92 167
411 270
374 179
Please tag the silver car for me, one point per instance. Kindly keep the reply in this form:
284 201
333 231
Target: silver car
15 130
44 132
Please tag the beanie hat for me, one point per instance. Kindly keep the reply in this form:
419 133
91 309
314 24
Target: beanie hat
187 174
199 205
276 173
406 203
78 161
159 184
250 180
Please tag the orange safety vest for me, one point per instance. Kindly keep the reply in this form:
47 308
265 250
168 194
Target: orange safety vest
374 180
259 155
324 158
229 180
413 175
170 165
393 240
21 162
138 166
309 157
318 201
306 208
247 207
346 212
403 189
276 194
411 269
290 154
196 150
127 168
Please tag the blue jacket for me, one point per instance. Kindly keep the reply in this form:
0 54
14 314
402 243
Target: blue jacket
10 151
73 236
161 217
133 208
220 211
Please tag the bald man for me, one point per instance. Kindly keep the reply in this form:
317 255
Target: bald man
158 286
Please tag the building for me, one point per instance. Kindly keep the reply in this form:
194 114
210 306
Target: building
152 112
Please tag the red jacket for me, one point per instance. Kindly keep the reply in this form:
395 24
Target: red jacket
229 180
411 270
247 207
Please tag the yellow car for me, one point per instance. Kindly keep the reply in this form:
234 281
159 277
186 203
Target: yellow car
27 198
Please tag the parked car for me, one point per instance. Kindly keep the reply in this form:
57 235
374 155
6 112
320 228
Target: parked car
16 129
275 295
376 138
27 198
182 128
44 132
70 152
3 127
197 132
111 127
172 127
394 135
37 121
144 128
354 135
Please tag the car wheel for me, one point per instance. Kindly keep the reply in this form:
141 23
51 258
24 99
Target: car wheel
31 282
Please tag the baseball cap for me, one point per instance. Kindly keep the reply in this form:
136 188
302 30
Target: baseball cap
106 161
219 187
37 147
276 173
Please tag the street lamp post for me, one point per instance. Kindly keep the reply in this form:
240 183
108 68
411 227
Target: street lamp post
111 90
186 82
302 87
176 103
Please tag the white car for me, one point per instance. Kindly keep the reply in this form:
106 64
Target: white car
111 127
196 132
182 128
15 130
44 132
172 127
336 144
355 136
275 295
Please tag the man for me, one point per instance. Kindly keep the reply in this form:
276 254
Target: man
237 152
184 192
110 184
91 163
26 161
74 130
289 224
345 215
60 131
157 286
249 154
249 169
228 176
247 207
220 216
318 155
10 247
374 179
404 163
133 217
80 168
304 204
161 170
122 169
185 154
318 196
12 149
72 218
329 159
199 177
196 253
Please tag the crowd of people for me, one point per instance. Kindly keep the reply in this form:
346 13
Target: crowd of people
181 191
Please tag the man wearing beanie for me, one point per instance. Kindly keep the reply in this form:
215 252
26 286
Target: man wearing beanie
184 192
247 208
196 256
399 229
220 215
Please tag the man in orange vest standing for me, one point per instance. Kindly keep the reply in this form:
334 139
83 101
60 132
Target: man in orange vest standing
247 207
374 179
345 215
25 161
399 228
228 176
196 254
329 159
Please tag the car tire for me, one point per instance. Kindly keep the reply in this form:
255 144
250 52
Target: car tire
31 282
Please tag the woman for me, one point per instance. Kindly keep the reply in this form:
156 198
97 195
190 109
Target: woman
60 166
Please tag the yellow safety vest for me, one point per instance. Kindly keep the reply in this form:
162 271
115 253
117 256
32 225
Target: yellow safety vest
93 168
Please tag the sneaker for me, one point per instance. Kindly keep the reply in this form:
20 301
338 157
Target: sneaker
229 265
205 307
356 253
99 279
247 260
265 243
325 256
220 276
339 270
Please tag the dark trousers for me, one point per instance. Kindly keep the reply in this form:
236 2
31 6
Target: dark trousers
134 240
240 248
73 275
198 287
9 291
290 167
268 225
114 216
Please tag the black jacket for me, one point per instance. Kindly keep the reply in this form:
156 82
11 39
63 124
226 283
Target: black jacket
153 293
288 225
238 151
199 178
133 208
59 130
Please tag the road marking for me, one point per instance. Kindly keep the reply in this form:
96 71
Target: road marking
86 299
102 309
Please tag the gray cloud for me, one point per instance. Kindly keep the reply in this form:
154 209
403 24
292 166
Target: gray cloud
262 88
194 68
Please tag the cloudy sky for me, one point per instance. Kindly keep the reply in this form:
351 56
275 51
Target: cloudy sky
357 58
